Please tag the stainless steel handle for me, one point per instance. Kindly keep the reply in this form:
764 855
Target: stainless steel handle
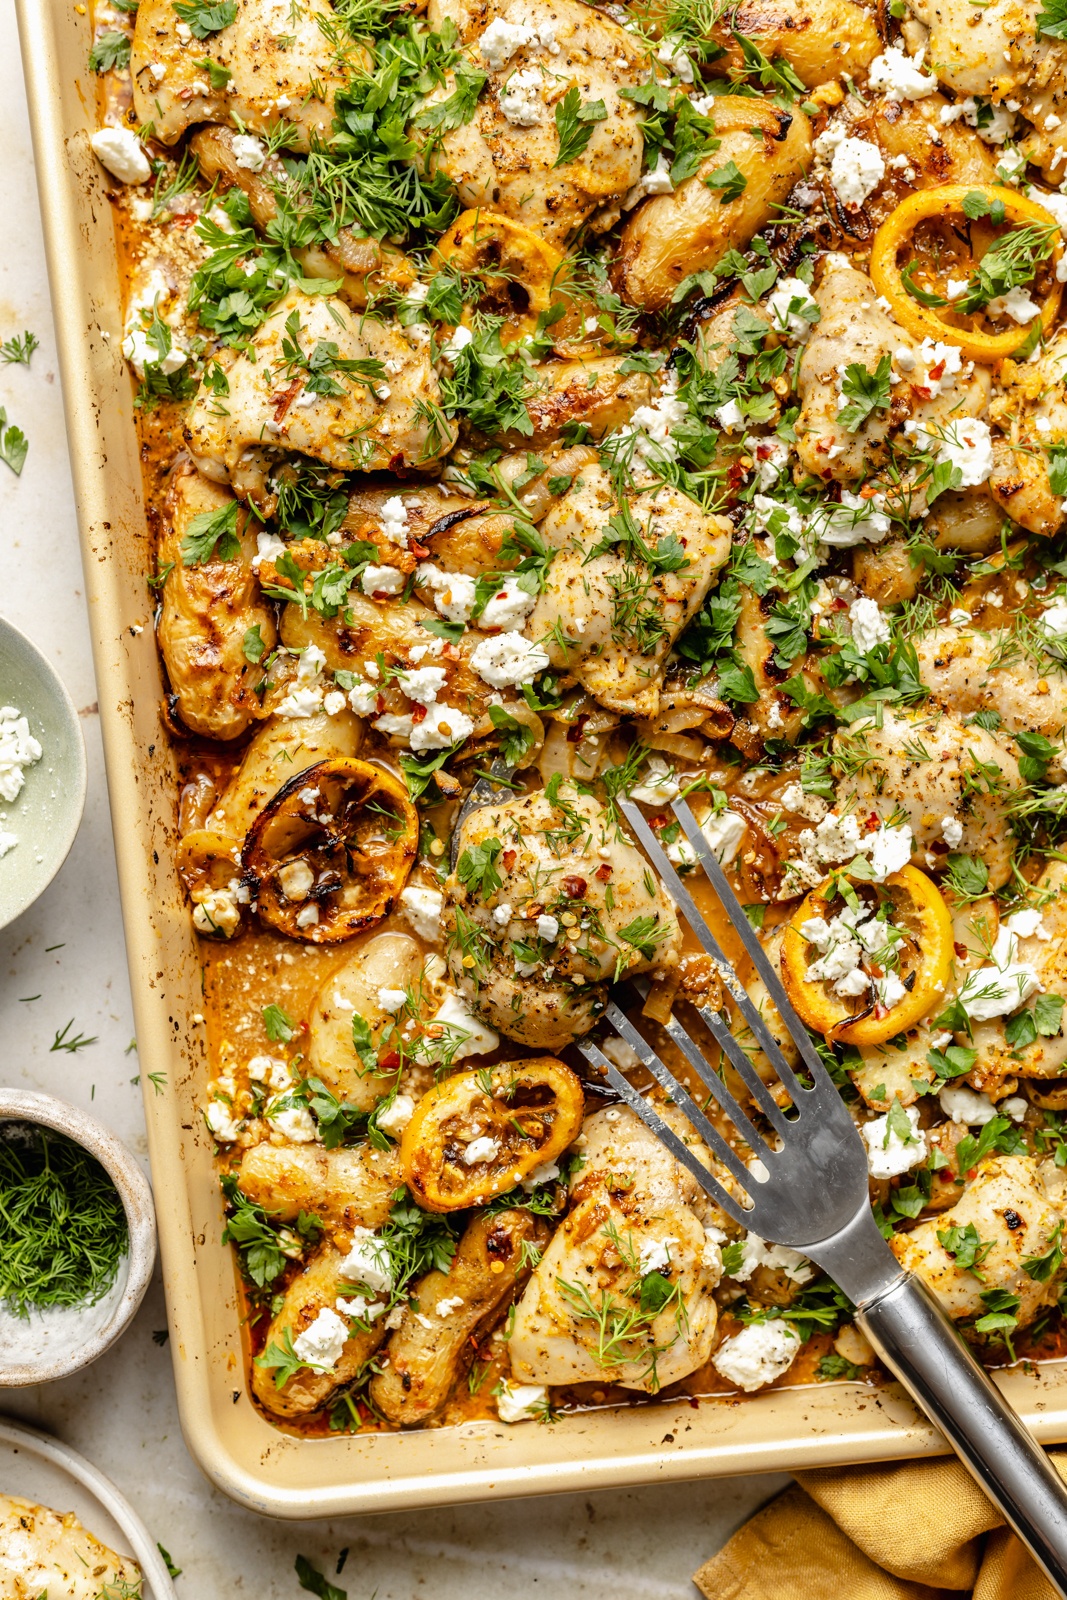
918 1343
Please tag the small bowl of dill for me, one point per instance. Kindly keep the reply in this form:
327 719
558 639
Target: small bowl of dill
77 1238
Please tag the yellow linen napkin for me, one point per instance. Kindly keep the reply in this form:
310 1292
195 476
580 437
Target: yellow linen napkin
918 1531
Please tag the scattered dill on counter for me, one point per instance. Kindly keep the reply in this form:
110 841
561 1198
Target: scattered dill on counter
62 1225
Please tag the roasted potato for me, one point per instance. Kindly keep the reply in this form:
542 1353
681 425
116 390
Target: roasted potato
389 961
352 1186
673 235
435 1343
207 610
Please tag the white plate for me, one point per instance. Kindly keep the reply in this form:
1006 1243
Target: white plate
41 1469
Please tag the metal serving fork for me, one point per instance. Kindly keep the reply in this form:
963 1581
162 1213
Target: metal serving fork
811 1193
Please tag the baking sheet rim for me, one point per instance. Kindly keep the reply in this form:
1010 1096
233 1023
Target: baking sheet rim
896 1434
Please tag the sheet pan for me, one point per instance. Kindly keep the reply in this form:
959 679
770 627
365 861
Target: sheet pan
824 1425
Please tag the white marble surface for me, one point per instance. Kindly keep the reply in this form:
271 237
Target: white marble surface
638 1545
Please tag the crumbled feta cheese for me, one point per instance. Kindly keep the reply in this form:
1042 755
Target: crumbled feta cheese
481 1149
459 341
900 76
548 927
890 849
445 1308
545 1172
501 40
268 548
654 1255
395 1118
857 167
521 100
269 1070
952 831
122 153
422 685
1027 924
462 1033
854 521
508 659
382 580
961 1104
672 53
363 698
1011 166
507 608
368 1262
320 1345
999 989
943 359
249 152
756 1252
296 880
888 1153
395 726
18 750
521 1402
222 1124
422 908
1016 1107
215 912
730 416
656 181
295 1123
1016 304
758 1354
453 592
394 521
140 352
869 626
658 784
791 308
392 999
964 442
1053 623
441 727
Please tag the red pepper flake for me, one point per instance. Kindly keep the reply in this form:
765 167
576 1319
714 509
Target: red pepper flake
839 604
603 872
418 713
419 551
507 860
576 733
390 1062
574 887
281 402
961 950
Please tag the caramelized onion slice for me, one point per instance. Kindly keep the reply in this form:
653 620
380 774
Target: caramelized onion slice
329 855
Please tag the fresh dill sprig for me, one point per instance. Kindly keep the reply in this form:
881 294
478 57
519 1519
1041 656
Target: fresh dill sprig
63 1229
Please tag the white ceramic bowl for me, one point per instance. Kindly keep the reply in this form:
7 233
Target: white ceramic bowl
72 1343
47 813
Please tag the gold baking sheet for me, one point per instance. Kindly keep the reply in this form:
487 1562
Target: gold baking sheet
823 1425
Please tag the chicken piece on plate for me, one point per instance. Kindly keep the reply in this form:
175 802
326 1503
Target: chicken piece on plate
1008 1205
321 382
928 769
855 330
365 266
1032 415
970 671
438 1336
595 392
208 608
352 1186
535 53
637 1225
1045 952
999 53
573 904
673 235
936 152
820 39
45 1552
367 987
285 60
625 581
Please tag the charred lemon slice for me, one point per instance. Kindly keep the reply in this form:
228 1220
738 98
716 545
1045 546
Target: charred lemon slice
863 987
521 273
328 857
478 1134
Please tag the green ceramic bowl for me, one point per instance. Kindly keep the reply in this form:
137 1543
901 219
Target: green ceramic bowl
46 814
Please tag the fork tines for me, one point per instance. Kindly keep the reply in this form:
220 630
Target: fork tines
803 1098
